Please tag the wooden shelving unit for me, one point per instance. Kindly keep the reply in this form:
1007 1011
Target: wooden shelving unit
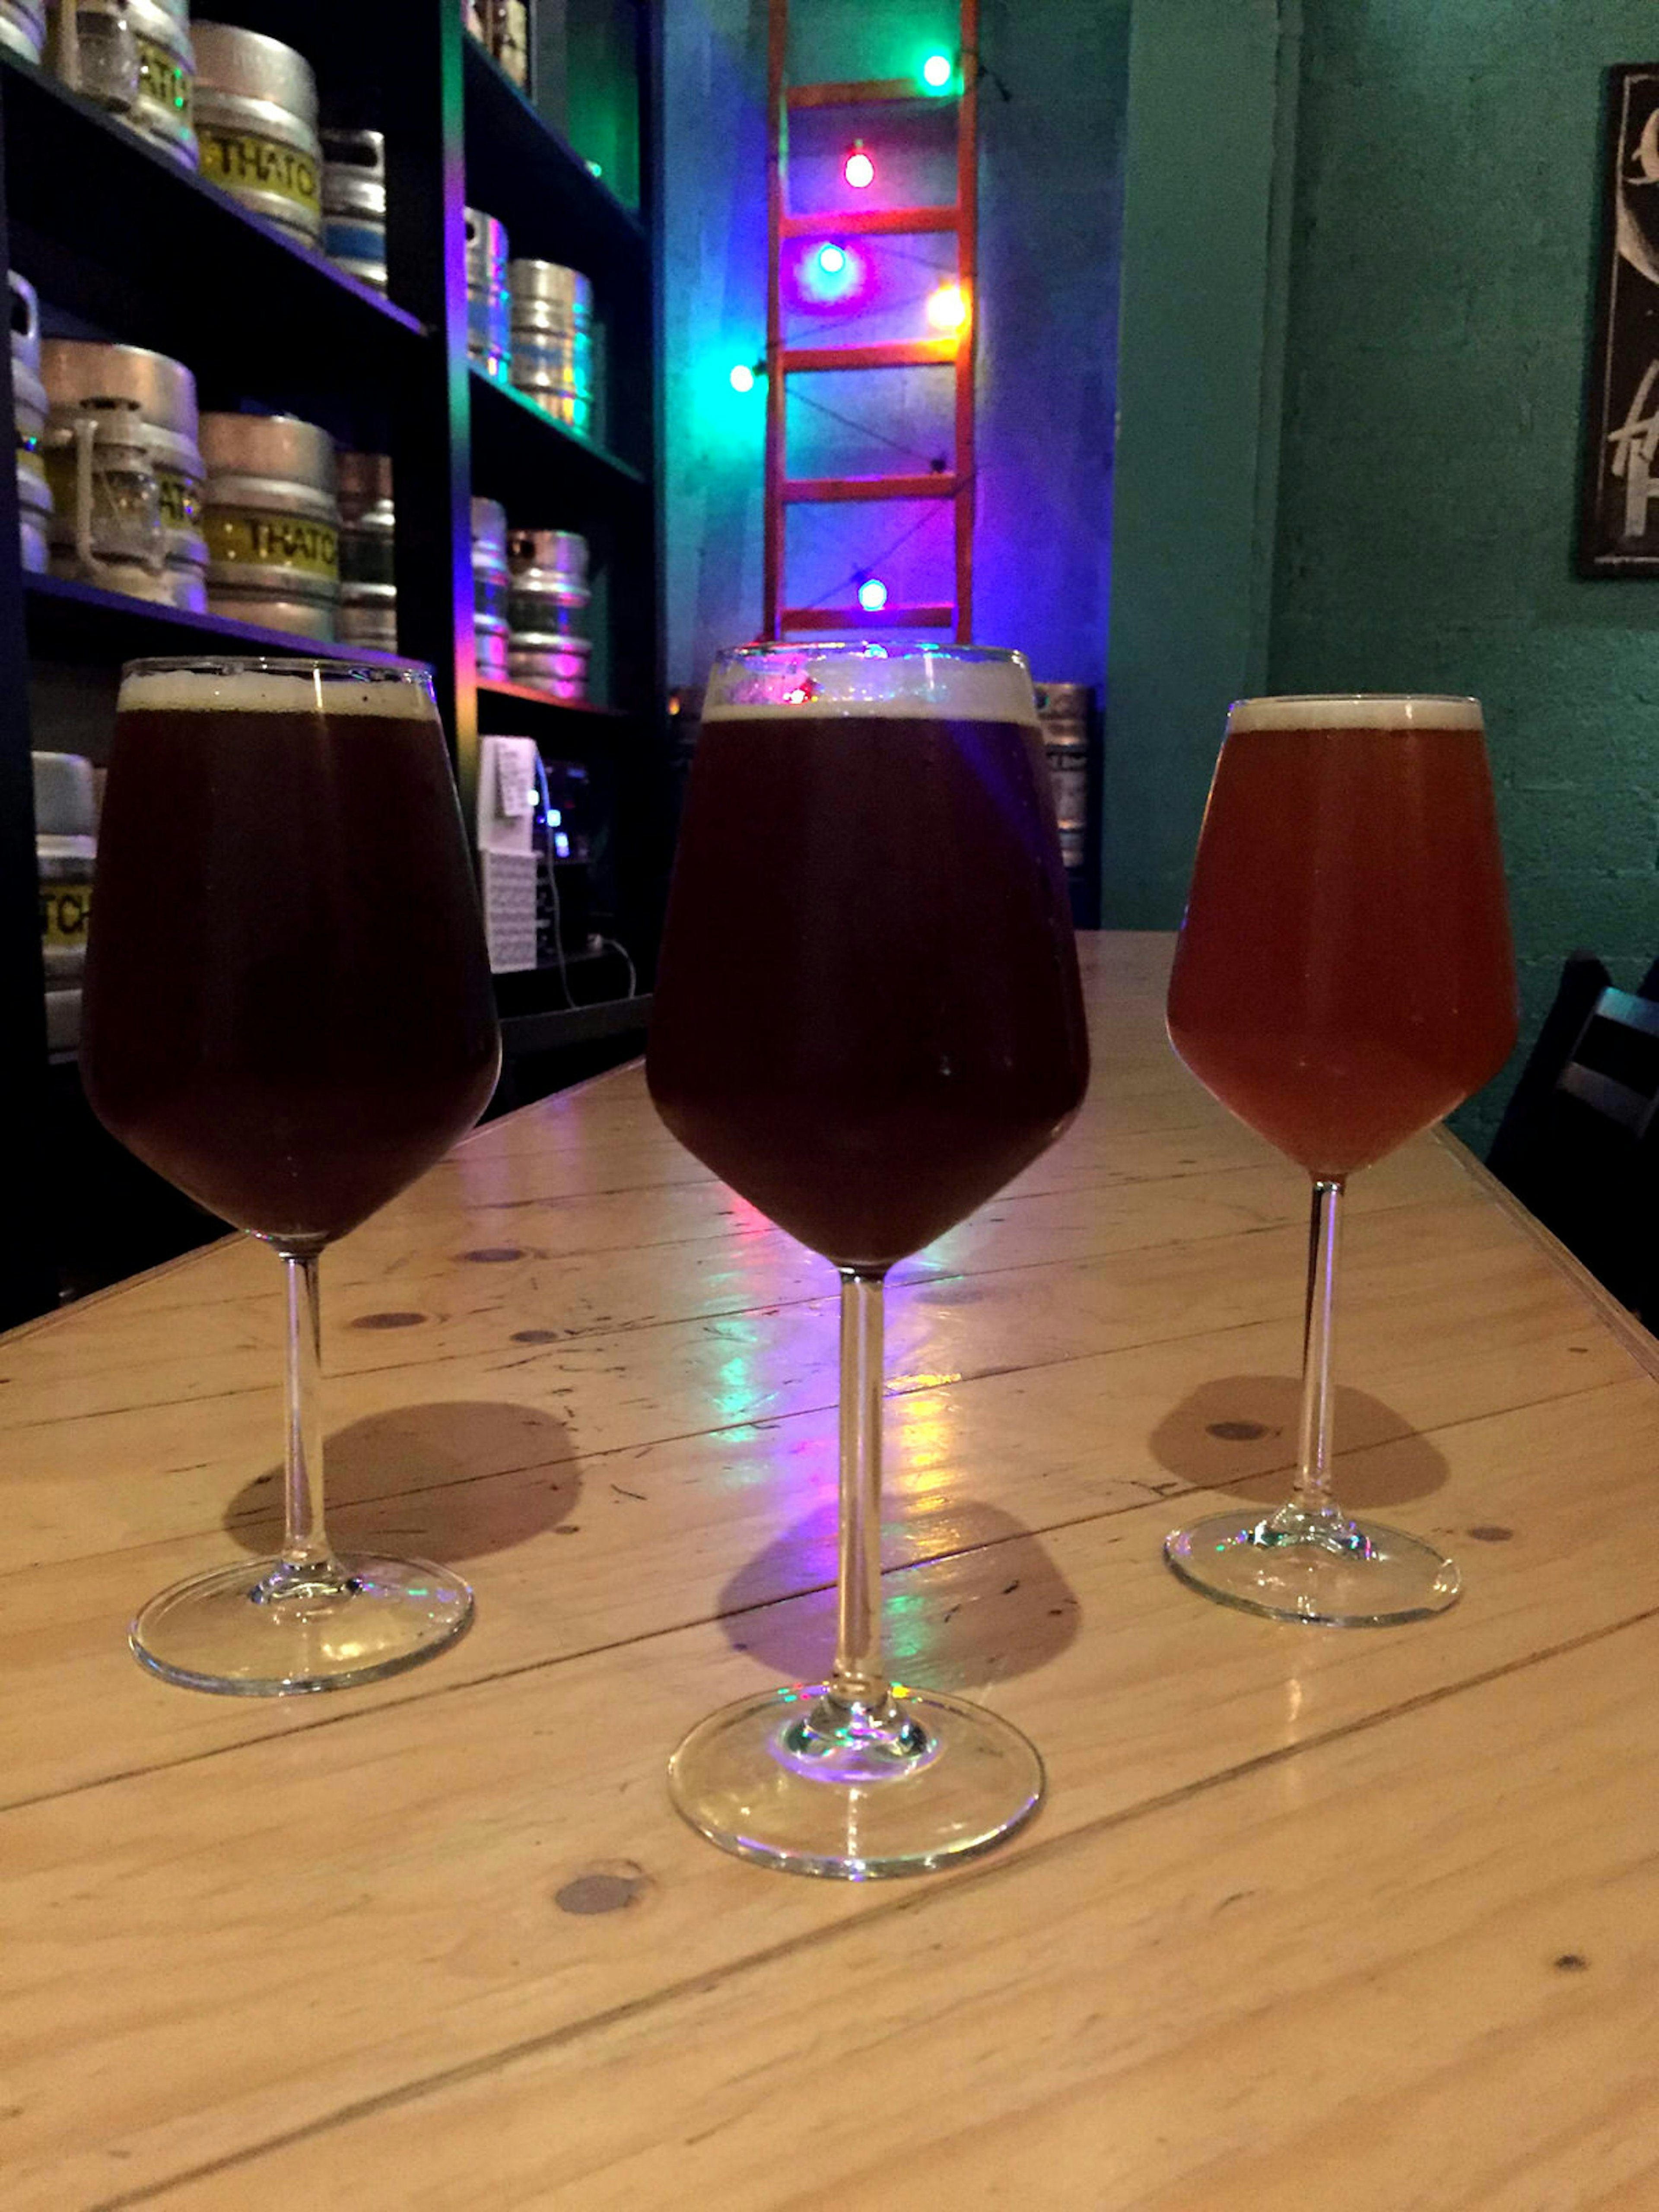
123 243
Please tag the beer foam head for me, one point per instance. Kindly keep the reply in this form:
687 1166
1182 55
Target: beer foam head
839 680
1354 710
299 686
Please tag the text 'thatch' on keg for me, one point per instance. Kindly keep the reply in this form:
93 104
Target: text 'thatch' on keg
271 522
165 108
256 122
489 589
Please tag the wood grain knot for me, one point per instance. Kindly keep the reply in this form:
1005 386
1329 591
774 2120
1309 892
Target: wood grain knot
487 1254
388 1321
530 1335
1490 1532
1237 1432
606 1890
1572 1962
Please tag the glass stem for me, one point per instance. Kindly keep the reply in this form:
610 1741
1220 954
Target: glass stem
858 1679
1313 1481
305 1544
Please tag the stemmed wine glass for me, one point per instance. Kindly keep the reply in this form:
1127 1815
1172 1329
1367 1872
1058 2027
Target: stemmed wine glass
287 1014
1343 978
867 1020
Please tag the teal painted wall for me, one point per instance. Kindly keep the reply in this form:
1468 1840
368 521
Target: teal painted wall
1443 236
1050 181
1212 95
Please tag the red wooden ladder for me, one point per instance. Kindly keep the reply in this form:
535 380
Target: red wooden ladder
960 219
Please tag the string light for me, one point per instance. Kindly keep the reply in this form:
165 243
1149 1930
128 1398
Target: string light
937 72
872 595
857 168
741 378
832 259
947 308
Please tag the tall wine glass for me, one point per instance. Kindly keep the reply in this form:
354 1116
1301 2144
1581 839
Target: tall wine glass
867 1020
287 1014
1343 979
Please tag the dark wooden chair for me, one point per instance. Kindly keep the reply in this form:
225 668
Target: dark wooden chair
1579 1142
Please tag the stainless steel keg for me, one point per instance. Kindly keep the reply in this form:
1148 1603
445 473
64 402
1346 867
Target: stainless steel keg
490 583
506 34
548 595
25 322
552 333
557 665
271 522
368 616
354 204
94 51
255 118
77 369
33 515
488 320
106 508
1063 711
164 109
23 28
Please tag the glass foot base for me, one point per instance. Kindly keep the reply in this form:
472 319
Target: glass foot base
797 1780
1331 1571
264 1629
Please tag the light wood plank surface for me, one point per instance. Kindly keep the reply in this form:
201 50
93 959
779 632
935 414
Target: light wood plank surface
1290 1929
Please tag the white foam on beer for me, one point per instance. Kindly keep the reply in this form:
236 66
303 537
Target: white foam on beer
1354 710
910 687
271 692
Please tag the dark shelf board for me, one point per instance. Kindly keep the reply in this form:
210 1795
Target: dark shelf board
548 1032
78 622
518 710
524 459
527 174
99 217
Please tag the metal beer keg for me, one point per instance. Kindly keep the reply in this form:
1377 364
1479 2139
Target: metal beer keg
106 508
557 665
164 109
368 583
552 334
489 330
1063 711
354 204
23 28
490 589
94 51
77 369
271 522
33 516
256 120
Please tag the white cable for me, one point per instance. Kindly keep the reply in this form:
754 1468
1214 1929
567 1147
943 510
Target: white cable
633 991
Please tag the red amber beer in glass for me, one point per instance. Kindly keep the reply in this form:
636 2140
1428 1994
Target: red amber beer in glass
1343 978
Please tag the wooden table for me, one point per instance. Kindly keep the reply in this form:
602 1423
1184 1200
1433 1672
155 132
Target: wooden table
1366 1919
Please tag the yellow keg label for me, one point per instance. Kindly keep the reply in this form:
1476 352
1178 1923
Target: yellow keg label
238 158
65 911
163 81
243 540
181 508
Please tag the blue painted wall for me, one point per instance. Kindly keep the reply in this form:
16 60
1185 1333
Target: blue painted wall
1051 166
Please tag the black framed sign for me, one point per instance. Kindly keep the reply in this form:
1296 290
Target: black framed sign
1619 516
